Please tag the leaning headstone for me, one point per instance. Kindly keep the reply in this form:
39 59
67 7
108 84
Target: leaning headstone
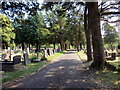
26 59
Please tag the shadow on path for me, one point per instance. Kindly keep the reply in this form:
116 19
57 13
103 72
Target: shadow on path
66 72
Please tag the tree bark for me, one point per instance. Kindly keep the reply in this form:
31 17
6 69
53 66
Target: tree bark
54 45
87 34
23 46
37 47
98 51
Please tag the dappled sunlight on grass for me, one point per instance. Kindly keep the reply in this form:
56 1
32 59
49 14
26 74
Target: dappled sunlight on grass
49 58
82 55
115 63
110 77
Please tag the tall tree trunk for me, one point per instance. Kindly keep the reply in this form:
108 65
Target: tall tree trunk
66 46
37 47
3 46
23 46
6 46
54 45
87 34
94 21
62 45
29 47
80 46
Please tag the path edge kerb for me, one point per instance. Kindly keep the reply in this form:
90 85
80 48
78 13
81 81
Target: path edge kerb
82 61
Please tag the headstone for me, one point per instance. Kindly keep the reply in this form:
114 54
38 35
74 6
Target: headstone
17 59
45 53
28 51
113 55
51 50
3 56
58 49
26 59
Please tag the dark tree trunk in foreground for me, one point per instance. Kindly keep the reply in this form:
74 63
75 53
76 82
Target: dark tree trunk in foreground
87 34
37 47
54 45
98 52
23 46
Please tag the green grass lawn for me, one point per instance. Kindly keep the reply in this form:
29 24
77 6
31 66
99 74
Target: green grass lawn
18 73
109 77
33 67
83 57
49 58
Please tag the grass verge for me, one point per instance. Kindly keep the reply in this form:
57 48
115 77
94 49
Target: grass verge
83 57
50 58
111 78
7 76
33 67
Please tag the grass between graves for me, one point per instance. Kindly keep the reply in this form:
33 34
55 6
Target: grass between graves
111 78
50 58
33 67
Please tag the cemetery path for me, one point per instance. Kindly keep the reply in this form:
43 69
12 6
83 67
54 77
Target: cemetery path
66 71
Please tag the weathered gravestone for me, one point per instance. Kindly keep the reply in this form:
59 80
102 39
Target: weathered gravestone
58 49
11 65
17 59
26 59
113 56
45 53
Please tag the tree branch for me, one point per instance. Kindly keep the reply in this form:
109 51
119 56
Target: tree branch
103 19
108 13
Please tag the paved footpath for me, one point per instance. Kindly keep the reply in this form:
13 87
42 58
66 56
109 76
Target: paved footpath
66 71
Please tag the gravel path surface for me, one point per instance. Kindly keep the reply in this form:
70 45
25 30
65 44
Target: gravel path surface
66 71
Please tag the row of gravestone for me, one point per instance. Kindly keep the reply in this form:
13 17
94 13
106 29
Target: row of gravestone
9 65
110 56
46 52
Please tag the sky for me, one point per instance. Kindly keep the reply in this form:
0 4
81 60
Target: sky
112 19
